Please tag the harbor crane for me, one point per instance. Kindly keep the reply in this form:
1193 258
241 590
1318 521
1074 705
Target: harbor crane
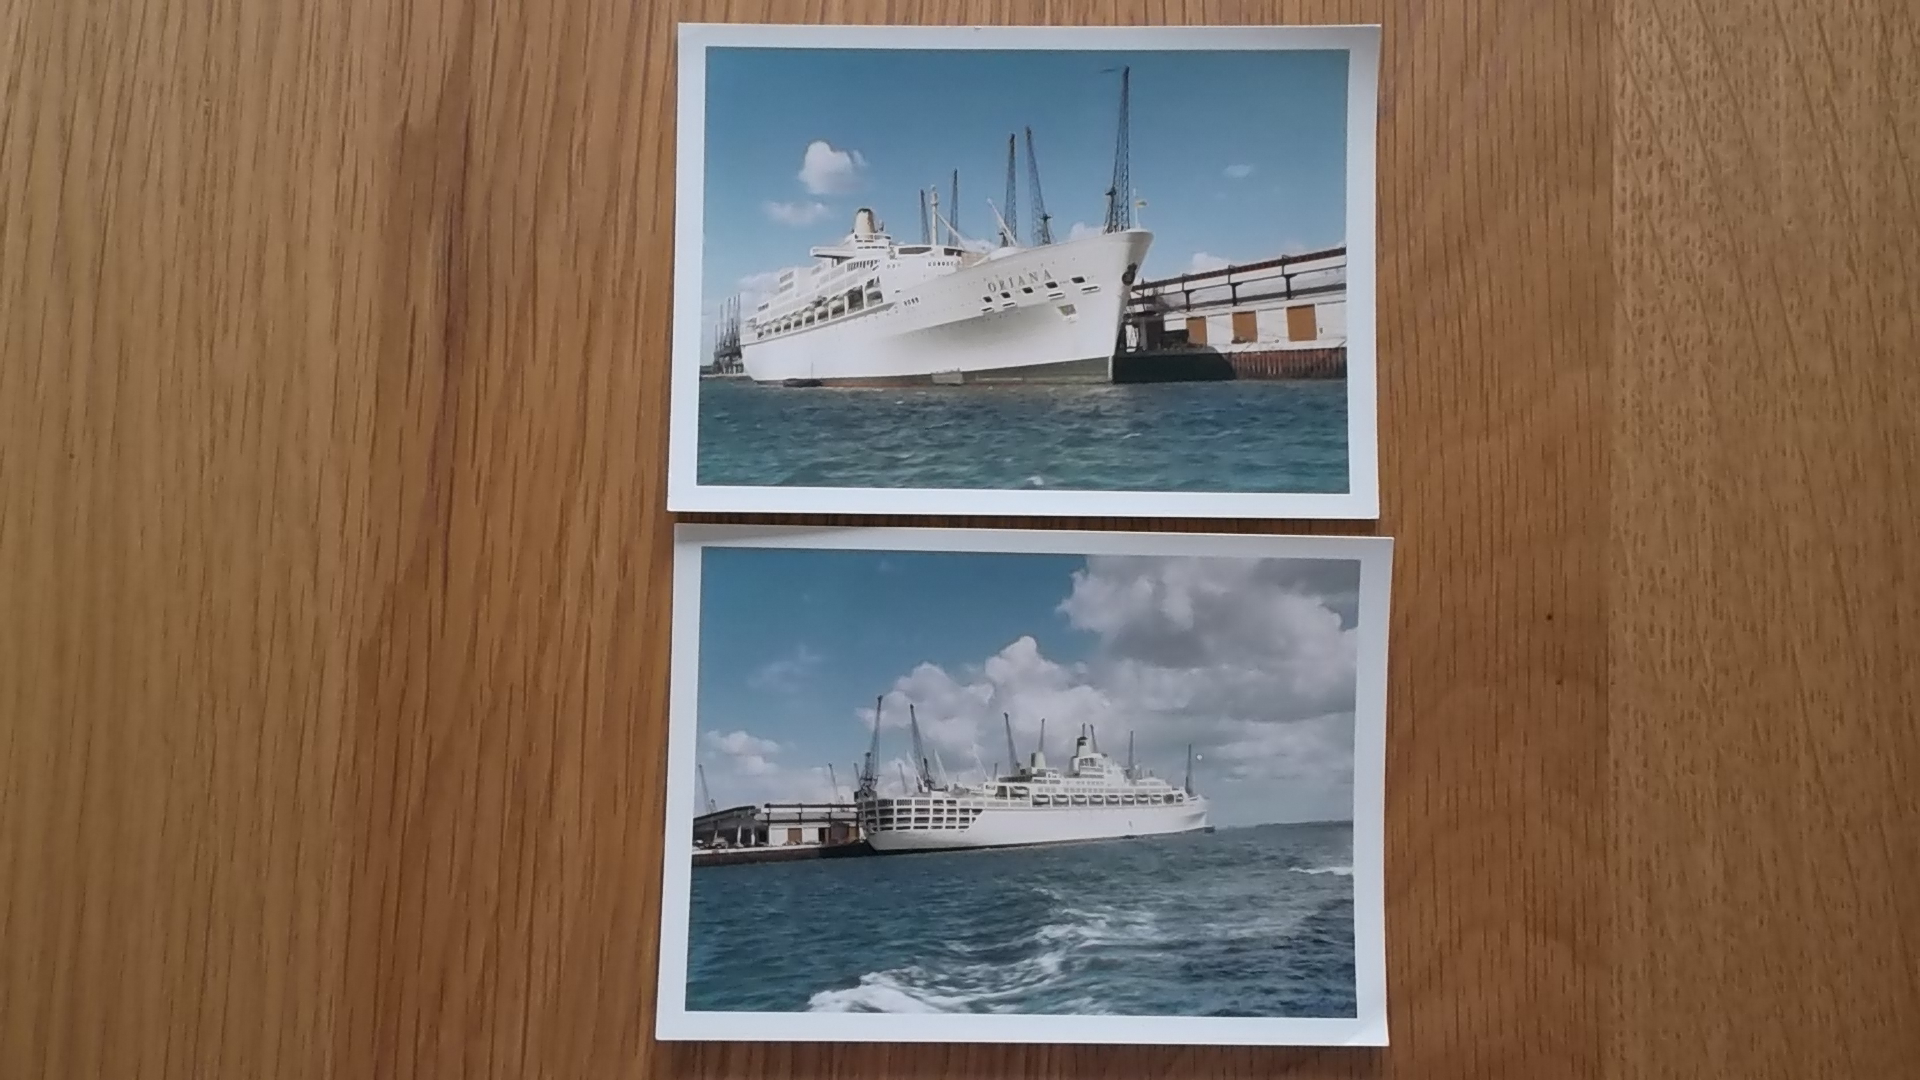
1010 221
924 771
1120 195
1042 223
706 793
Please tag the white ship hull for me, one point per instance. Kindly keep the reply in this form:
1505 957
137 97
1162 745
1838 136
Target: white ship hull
941 331
1017 826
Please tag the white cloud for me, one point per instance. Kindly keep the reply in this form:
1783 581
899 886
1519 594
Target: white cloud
785 674
742 769
1238 172
1081 230
795 213
1202 261
740 755
1250 661
741 744
827 171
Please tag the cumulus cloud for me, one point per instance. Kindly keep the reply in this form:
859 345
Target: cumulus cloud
825 170
801 212
1202 262
785 674
1082 230
746 769
1252 662
1238 172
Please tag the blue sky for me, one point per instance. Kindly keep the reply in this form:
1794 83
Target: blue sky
1250 660
1239 155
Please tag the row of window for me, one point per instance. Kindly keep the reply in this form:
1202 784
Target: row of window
1109 800
851 302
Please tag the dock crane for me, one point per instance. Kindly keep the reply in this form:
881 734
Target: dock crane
923 770
1042 223
1010 221
706 793
1120 195
953 212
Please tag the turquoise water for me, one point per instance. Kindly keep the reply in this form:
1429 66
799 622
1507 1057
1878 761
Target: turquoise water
1218 436
1241 922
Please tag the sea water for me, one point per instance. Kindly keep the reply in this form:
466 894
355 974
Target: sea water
1234 436
1240 922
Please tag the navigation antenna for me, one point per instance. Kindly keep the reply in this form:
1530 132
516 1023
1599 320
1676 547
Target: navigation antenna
1010 221
919 752
1013 756
706 793
1120 195
1042 224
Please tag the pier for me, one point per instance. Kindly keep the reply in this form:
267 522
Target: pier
1282 318
777 832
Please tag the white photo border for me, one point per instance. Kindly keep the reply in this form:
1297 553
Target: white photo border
1361 501
1368 1026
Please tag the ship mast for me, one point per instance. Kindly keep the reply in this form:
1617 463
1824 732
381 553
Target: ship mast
833 782
926 226
1130 770
1013 756
953 213
1188 786
1120 195
1042 224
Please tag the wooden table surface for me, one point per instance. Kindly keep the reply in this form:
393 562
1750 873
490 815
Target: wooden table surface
333 558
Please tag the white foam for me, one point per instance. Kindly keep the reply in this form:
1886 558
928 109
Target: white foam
879 991
1343 871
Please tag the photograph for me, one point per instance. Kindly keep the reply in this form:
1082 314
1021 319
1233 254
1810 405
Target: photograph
1025 270
1025 786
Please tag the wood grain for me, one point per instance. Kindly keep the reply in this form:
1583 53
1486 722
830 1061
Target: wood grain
333 558
1765 595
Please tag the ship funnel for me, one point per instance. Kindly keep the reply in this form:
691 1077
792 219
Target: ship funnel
863 222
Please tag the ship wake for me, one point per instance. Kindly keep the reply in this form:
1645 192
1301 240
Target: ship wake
1004 977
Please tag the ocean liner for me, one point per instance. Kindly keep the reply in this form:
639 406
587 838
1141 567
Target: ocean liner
871 311
1092 798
